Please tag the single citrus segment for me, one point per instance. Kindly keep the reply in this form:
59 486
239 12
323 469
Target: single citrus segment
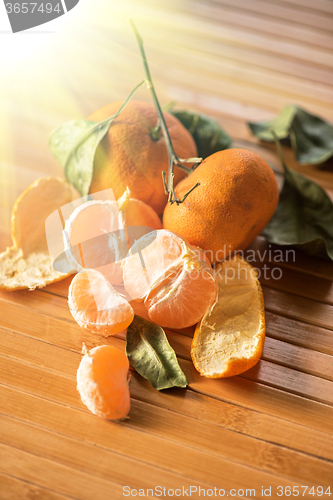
174 280
230 337
236 197
95 236
133 153
27 264
96 306
102 381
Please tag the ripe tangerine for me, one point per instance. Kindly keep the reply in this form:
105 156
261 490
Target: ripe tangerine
237 196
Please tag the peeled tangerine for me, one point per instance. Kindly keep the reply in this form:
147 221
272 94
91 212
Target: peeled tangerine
174 279
230 337
102 381
95 304
95 235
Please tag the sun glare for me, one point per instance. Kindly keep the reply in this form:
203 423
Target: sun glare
18 47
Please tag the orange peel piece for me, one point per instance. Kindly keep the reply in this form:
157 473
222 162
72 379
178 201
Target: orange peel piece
230 337
27 264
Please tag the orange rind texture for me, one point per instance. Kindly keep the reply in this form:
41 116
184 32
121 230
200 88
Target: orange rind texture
128 156
27 264
230 337
236 197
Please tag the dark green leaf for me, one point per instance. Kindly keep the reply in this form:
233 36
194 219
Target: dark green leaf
303 218
74 145
151 355
207 133
311 137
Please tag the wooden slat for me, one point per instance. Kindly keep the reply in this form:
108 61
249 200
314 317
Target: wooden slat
291 380
280 10
235 417
260 22
256 396
292 258
38 301
11 488
102 462
263 398
156 424
49 474
248 37
299 333
299 308
321 5
236 61
210 468
279 277
298 358
304 386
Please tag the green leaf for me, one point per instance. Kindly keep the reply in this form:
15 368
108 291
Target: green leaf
151 355
303 218
207 133
280 124
74 145
311 137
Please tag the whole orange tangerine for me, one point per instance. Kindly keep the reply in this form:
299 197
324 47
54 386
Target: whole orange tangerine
237 196
133 154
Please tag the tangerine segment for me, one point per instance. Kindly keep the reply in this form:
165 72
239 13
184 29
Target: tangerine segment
102 381
177 284
95 238
95 235
230 337
182 299
149 261
96 306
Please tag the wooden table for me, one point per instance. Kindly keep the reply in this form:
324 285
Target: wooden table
269 429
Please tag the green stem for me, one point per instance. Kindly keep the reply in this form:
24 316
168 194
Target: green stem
279 149
173 158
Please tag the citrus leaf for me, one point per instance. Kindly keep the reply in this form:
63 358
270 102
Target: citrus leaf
74 145
311 137
280 124
206 132
151 355
303 218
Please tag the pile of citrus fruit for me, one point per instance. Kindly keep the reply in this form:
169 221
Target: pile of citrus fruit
123 253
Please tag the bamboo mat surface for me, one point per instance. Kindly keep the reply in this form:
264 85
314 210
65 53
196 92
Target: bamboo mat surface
269 430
